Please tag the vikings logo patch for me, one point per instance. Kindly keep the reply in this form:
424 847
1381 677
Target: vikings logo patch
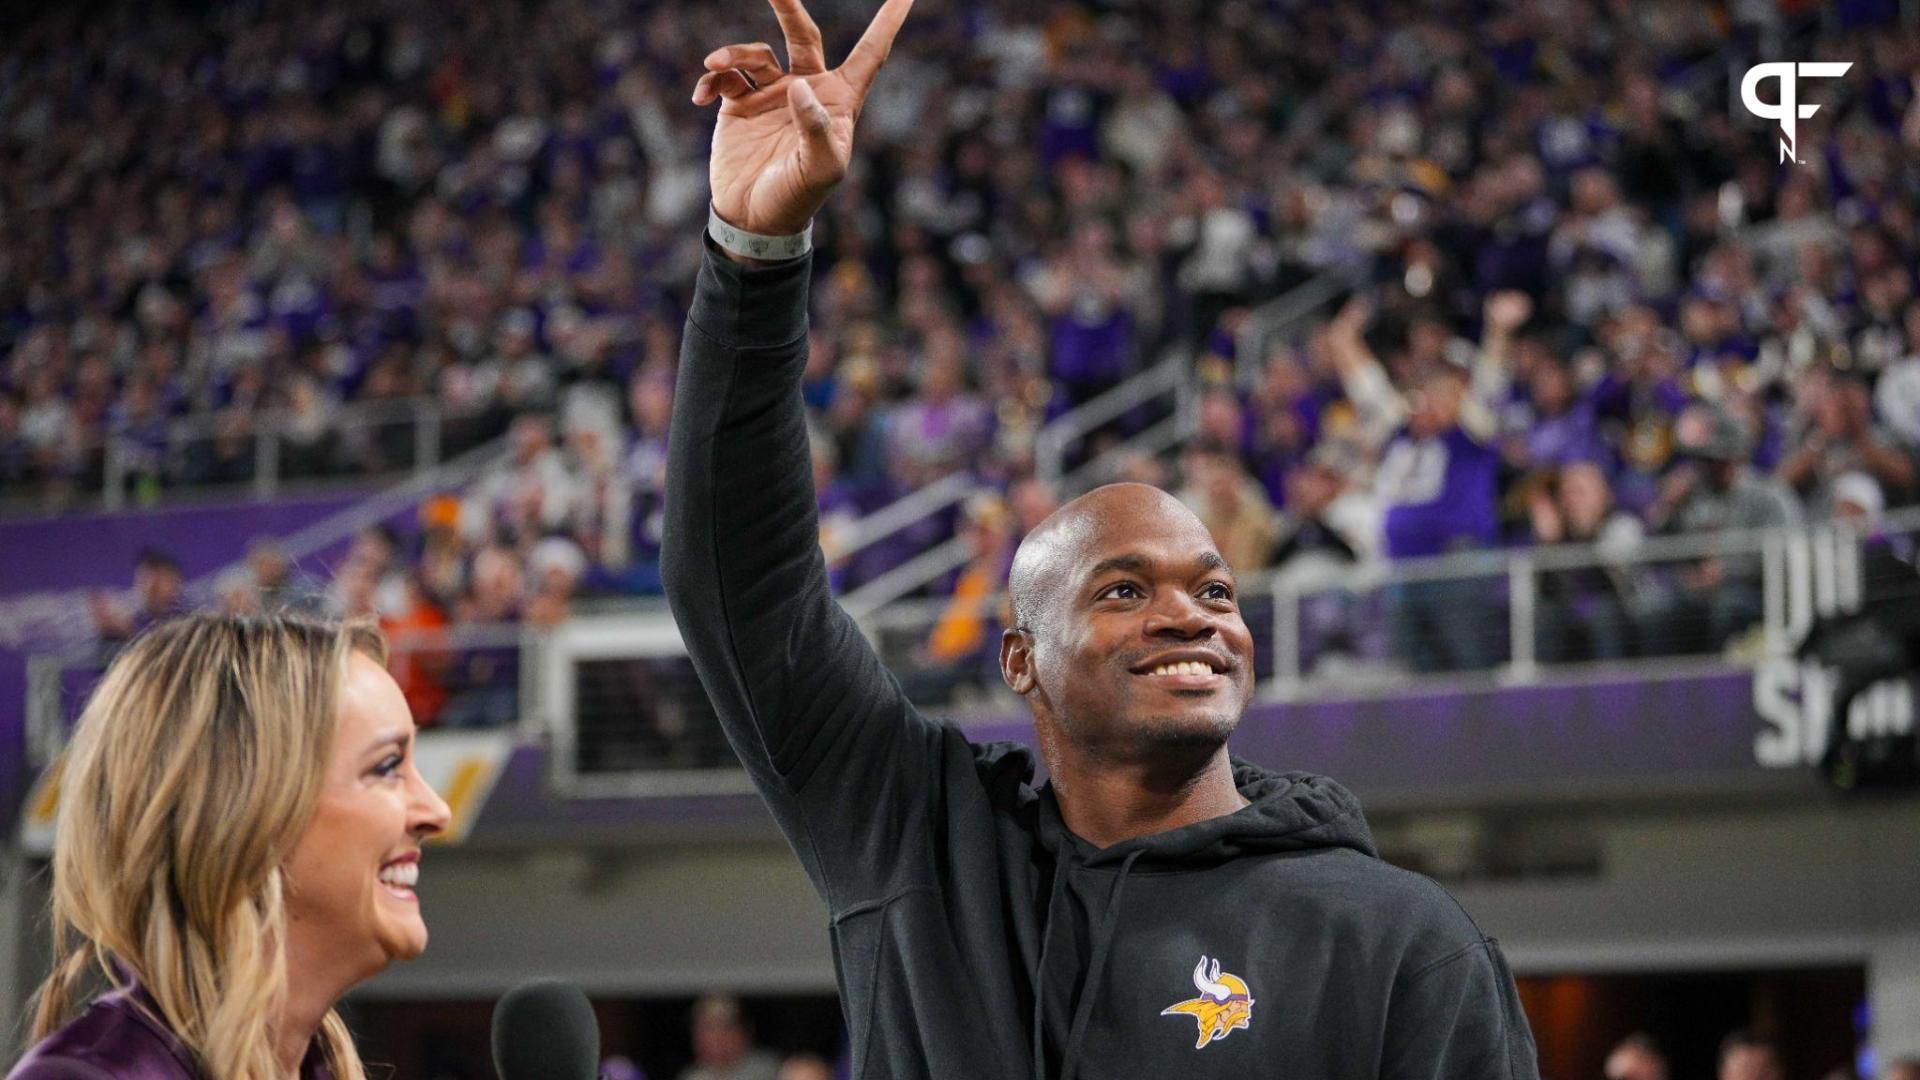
1225 1003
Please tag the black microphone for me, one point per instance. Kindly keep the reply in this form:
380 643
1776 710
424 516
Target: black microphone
545 1030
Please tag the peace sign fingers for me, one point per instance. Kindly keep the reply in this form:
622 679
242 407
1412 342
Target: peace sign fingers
805 54
863 63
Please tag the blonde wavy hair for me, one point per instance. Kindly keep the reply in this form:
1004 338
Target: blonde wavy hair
193 772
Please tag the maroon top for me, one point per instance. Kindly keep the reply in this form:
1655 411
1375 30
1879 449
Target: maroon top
120 1037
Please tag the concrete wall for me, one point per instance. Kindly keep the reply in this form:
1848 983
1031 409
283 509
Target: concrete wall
637 921
1893 986
1693 890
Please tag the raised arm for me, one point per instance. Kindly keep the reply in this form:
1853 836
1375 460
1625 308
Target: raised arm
1502 315
1375 402
822 727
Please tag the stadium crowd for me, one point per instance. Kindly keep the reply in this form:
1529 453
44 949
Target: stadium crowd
1593 304
1590 304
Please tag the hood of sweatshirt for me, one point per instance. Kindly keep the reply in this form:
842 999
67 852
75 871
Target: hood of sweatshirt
1286 812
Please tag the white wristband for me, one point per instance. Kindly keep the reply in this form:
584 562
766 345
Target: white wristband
755 246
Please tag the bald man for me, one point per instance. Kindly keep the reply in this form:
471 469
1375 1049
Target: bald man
1155 909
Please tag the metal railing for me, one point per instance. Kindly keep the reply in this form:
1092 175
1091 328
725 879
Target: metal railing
909 577
1155 439
1051 448
889 520
471 677
254 452
328 531
1514 599
1057 439
1053 445
1277 319
616 698
1170 378
50 619
385 436
1802 574
910 509
624 712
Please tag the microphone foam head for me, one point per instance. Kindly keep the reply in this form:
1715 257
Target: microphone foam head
545 1030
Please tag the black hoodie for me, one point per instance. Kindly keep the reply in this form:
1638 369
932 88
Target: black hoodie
974 937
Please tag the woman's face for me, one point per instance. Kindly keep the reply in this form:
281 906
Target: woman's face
350 879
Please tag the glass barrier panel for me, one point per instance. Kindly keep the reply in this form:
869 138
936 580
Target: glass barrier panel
639 714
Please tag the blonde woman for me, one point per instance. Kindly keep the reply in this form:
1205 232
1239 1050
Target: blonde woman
239 836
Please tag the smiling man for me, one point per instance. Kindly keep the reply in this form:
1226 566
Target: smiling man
1129 648
1156 908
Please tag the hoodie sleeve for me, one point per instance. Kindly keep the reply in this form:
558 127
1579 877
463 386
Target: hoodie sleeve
1459 1018
822 727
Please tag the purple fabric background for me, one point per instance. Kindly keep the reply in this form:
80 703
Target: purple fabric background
49 554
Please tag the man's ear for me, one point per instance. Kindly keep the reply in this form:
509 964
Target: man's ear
1016 660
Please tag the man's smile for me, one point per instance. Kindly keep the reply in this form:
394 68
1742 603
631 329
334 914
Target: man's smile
1185 669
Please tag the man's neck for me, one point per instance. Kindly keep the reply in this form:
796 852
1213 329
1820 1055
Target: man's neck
1104 802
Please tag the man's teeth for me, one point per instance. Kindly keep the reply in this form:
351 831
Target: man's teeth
401 875
1184 667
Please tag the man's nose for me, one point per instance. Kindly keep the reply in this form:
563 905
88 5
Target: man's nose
1174 613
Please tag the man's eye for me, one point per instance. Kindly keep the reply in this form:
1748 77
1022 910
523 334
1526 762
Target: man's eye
1218 590
1125 590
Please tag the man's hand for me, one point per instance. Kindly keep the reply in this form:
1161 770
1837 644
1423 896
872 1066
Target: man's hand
1548 528
1351 321
1675 488
783 138
1505 311
1344 336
